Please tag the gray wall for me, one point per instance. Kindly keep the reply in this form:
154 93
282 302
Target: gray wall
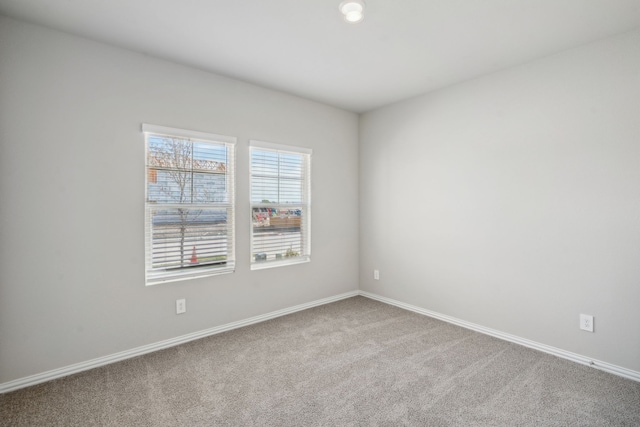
72 198
513 200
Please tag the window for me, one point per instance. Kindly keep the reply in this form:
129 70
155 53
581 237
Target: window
189 212
280 204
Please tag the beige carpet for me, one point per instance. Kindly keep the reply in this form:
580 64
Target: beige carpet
356 362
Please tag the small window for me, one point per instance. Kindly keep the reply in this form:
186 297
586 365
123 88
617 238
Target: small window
189 213
280 205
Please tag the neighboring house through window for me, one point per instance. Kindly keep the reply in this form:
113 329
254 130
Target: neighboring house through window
280 204
189 212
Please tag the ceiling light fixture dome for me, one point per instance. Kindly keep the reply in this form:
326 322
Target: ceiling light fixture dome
352 10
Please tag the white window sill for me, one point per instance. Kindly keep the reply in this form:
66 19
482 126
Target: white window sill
157 278
261 265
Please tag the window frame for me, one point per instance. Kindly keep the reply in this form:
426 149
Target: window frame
154 276
305 226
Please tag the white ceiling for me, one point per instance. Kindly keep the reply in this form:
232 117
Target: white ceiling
402 48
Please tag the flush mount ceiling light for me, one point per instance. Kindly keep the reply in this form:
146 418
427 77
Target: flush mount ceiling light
352 10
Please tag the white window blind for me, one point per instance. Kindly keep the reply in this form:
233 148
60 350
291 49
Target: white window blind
280 204
189 211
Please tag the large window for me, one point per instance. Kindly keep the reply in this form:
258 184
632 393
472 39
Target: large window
189 214
280 204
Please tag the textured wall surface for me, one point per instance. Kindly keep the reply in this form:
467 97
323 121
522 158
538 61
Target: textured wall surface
72 198
513 200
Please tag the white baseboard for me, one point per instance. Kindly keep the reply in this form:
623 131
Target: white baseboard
138 351
584 360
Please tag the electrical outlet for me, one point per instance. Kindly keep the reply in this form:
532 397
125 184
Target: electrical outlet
376 274
586 322
181 306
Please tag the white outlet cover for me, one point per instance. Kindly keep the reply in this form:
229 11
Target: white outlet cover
586 322
181 306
